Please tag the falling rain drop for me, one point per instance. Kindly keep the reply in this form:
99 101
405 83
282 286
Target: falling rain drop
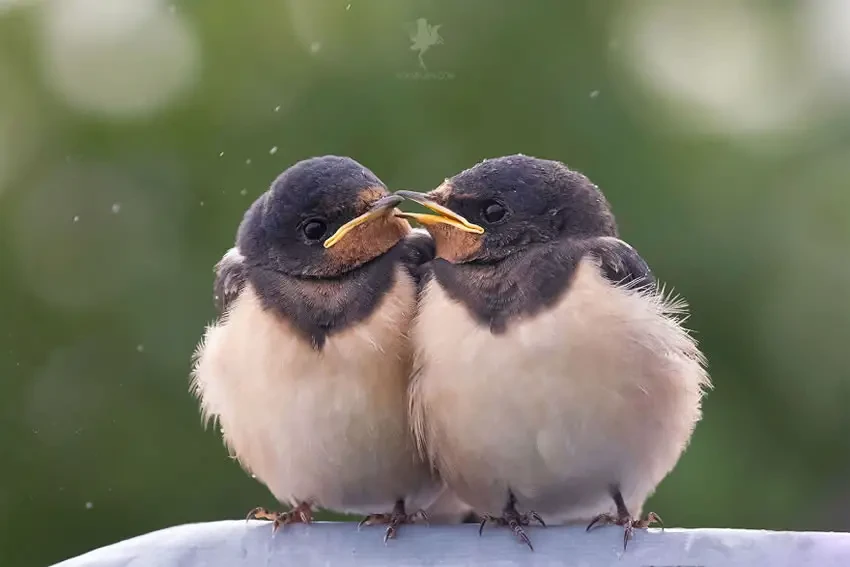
273 151
116 208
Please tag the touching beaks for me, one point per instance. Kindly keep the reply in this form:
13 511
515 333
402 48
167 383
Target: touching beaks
444 216
380 207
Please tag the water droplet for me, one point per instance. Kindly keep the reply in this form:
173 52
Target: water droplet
89 505
221 154
273 151
248 161
277 108
140 348
348 7
315 46
202 203
76 218
594 94
116 208
243 192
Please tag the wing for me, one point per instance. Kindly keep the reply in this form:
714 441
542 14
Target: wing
419 249
620 263
230 276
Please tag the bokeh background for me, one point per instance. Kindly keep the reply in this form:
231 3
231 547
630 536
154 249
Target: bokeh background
134 134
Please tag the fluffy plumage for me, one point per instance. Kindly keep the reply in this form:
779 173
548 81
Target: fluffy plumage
307 368
552 374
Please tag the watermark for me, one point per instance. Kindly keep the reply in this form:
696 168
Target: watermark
424 36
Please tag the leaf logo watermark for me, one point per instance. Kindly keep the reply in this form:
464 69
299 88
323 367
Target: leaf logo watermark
424 36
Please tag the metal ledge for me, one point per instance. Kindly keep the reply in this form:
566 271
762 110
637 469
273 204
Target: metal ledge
235 543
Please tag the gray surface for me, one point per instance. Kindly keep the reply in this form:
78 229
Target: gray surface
237 543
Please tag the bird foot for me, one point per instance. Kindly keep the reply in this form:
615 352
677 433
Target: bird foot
300 514
627 522
393 520
515 521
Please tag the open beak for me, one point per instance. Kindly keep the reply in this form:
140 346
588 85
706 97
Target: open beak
380 207
443 216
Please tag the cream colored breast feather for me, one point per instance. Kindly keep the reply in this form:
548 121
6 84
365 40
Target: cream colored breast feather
251 367
601 349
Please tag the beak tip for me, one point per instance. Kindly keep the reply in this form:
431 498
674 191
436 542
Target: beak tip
388 202
412 195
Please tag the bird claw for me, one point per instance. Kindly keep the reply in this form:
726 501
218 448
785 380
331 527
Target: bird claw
393 520
300 514
628 523
515 521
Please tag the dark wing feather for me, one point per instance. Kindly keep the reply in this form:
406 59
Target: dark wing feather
230 276
620 263
419 249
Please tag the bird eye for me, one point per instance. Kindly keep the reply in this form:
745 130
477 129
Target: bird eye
493 211
314 229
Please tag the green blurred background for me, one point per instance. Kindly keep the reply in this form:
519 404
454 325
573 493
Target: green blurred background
134 134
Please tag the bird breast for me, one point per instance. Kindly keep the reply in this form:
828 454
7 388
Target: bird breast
603 388
328 426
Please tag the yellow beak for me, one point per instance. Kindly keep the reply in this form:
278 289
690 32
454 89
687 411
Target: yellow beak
378 208
443 216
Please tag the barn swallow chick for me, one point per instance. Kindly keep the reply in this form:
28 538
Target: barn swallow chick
552 377
307 367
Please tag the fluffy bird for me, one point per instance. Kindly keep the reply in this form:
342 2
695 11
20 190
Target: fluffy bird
553 379
308 366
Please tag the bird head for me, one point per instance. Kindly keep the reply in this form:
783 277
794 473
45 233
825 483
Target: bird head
504 205
322 217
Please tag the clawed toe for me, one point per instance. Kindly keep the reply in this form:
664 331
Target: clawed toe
515 521
628 523
300 514
394 520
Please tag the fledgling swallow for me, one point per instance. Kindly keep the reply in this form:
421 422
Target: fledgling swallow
307 368
553 379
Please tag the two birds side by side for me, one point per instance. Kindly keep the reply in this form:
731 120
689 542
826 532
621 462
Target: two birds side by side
515 359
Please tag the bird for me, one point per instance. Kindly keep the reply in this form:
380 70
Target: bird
306 368
553 378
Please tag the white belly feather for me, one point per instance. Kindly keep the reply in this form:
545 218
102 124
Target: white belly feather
328 427
604 389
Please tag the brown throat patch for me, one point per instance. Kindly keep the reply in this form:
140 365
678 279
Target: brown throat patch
453 244
368 241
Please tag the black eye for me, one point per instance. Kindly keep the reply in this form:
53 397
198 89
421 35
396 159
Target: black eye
493 211
314 229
